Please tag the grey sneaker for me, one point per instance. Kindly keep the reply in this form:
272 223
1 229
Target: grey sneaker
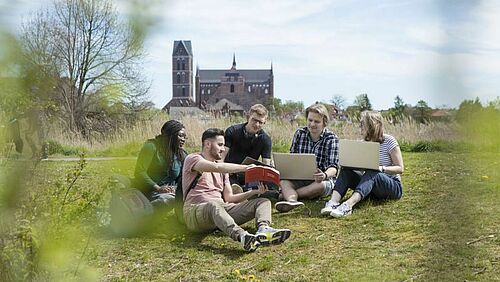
286 206
341 211
268 235
249 241
329 207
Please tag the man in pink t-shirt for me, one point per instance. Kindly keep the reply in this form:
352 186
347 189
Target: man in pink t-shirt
211 203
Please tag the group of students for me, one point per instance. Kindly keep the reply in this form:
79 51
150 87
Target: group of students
213 180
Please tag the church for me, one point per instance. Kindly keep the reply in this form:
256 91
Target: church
229 89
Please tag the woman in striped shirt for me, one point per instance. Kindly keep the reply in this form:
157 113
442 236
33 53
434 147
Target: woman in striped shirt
382 184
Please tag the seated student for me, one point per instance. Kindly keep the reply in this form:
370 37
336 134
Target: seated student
247 140
159 164
315 139
382 184
211 204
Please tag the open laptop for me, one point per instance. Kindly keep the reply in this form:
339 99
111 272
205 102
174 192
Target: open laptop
358 154
295 166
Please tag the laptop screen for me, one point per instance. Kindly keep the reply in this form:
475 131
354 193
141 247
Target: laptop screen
295 166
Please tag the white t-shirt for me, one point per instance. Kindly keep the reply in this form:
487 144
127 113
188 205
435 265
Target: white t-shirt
385 152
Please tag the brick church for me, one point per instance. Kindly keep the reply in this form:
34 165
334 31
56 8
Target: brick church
231 89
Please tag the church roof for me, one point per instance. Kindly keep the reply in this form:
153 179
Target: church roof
223 102
186 44
214 76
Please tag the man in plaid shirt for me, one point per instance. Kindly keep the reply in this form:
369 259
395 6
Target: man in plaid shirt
315 139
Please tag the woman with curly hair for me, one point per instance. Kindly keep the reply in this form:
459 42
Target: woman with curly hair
159 164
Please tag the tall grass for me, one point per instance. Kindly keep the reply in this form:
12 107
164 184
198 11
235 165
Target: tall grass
127 141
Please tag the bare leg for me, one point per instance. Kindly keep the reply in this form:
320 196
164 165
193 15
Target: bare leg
290 197
288 191
336 197
311 191
354 199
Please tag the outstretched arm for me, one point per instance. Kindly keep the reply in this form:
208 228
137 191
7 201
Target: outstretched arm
208 166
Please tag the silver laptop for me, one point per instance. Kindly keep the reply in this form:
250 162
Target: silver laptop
295 166
358 154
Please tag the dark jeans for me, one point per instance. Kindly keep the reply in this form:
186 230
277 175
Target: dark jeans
372 183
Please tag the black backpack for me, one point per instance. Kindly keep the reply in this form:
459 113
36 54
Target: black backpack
180 197
130 210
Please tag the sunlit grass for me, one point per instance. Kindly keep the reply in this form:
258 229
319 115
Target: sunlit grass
444 228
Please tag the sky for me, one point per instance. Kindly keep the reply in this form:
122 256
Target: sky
441 52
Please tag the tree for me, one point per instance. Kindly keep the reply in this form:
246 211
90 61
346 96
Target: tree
87 51
423 111
339 101
398 111
468 109
363 102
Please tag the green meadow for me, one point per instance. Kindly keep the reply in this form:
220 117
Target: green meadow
54 216
445 228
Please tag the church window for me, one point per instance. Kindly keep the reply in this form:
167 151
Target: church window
178 78
183 91
266 91
208 91
249 88
178 64
183 64
202 91
232 88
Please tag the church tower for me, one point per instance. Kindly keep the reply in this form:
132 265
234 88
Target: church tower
182 75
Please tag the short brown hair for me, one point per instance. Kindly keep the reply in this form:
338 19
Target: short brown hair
321 110
372 121
259 109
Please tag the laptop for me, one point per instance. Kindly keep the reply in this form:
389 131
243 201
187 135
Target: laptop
250 160
295 166
358 154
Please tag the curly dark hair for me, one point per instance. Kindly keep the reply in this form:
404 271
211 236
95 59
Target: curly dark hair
168 141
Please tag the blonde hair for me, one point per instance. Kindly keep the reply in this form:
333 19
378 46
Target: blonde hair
259 109
374 127
321 110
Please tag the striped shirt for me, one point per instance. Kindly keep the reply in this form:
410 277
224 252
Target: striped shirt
326 148
385 152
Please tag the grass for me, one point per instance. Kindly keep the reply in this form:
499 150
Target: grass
444 228
414 137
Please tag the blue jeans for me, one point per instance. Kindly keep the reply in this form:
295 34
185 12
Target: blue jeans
372 183
162 200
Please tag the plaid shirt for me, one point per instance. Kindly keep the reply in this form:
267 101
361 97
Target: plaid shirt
326 148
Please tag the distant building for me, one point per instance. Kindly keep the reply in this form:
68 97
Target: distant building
182 76
230 90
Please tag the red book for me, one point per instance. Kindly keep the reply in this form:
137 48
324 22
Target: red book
268 175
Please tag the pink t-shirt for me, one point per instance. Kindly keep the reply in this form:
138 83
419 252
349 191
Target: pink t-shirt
210 184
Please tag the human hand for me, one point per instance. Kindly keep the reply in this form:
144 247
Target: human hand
319 175
261 188
167 189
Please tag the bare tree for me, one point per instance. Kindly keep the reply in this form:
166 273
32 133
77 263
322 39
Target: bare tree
89 51
339 101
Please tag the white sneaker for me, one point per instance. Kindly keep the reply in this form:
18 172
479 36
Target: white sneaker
268 235
341 211
249 241
329 207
